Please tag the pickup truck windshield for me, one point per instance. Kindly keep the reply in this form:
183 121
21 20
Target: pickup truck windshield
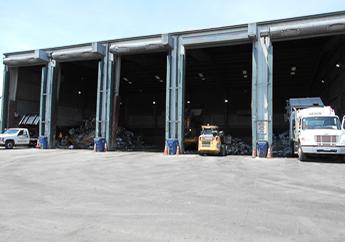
321 123
11 131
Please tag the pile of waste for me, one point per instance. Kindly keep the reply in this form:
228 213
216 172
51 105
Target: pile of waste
281 145
78 138
127 140
238 147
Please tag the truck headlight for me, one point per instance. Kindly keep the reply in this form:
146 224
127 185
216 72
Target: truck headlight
342 139
307 139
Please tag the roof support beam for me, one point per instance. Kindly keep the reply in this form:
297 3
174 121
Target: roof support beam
89 52
150 45
215 38
36 57
303 28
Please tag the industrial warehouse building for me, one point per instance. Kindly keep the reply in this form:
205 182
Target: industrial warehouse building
166 86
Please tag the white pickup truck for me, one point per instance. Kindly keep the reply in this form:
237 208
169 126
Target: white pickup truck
16 137
315 129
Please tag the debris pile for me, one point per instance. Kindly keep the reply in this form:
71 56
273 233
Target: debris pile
281 145
127 140
78 138
238 147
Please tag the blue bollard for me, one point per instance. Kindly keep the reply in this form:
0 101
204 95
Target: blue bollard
43 140
262 148
172 146
99 144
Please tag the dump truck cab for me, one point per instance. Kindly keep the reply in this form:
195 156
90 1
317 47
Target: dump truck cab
319 131
316 130
211 141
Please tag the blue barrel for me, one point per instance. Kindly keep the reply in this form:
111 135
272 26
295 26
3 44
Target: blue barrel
172 146
262 148
100 144
43 140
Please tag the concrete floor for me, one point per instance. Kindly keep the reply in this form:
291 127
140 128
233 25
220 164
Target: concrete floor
63 195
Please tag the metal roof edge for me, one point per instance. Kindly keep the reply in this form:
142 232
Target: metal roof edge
284 20
305 17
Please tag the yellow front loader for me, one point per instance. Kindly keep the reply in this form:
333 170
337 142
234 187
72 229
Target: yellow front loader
211 141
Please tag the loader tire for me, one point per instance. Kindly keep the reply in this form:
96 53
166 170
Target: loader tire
292 149
223 150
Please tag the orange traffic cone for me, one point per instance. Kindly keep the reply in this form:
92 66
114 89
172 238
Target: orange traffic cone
165 152
178 150
254 153
269 153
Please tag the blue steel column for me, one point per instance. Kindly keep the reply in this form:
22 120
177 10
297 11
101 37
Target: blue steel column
116 101
167 99
102 95
51 92
263 64
270 98
110 99
254 101
181 96
43 100
106 90
171 92
4 101
99 100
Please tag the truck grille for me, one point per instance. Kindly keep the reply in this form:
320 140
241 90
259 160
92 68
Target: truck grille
206 144
326 140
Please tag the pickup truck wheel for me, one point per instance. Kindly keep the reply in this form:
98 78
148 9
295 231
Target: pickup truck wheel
301 155
9 144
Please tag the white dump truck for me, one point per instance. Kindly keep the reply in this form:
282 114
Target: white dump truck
314 129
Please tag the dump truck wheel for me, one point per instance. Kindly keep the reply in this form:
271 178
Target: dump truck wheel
301 155
292 149
9 144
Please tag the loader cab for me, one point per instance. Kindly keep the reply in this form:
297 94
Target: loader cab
211 130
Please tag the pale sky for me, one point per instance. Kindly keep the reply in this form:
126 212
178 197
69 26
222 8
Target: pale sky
33 24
